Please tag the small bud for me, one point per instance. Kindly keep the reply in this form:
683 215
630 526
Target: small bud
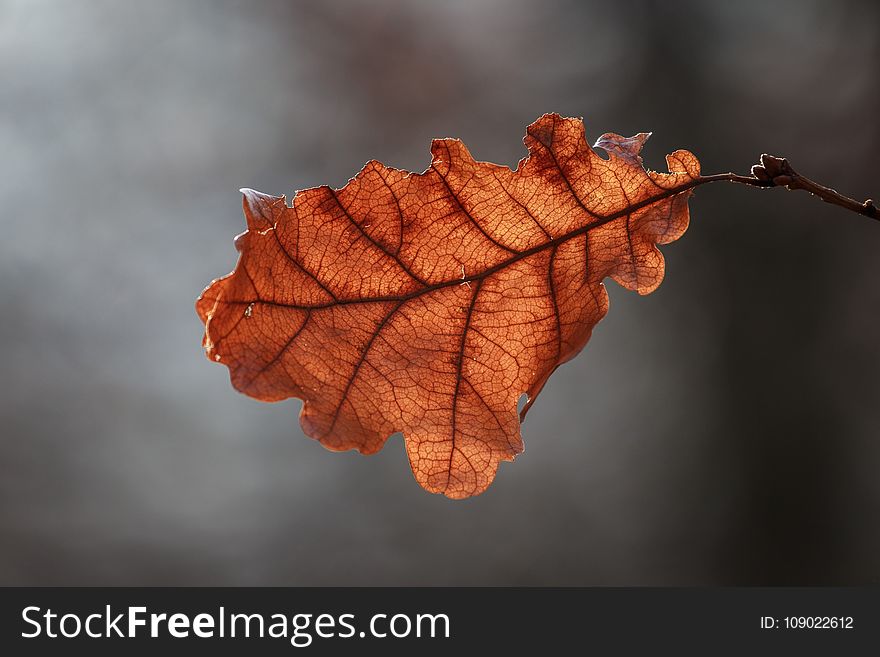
775 166
760 172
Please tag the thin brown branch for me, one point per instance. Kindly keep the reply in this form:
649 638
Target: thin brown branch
777 172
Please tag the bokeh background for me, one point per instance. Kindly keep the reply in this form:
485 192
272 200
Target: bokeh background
724 430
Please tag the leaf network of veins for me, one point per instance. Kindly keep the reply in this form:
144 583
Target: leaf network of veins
598 220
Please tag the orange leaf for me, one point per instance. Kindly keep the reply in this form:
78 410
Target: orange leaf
428 303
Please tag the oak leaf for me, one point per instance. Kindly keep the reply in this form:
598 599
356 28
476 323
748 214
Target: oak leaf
428 303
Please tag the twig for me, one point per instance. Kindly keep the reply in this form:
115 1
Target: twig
777 172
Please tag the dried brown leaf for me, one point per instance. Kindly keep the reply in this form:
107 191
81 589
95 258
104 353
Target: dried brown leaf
428 303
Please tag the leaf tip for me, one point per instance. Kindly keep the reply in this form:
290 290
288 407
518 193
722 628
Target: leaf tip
258 208
627 148
682 161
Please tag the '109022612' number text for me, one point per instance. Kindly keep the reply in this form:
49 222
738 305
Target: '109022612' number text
818 622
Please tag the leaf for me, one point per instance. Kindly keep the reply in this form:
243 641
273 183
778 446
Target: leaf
428 303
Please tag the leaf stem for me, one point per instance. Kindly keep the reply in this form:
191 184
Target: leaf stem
777 172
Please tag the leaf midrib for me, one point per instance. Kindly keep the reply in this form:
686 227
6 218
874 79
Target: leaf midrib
471 278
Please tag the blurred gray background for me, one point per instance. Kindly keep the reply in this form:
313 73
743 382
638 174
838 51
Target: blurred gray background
724 430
